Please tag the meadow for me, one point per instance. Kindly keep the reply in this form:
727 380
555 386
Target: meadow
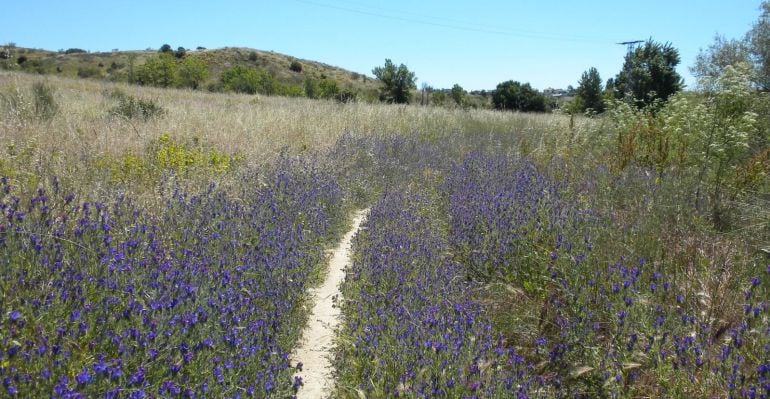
160 243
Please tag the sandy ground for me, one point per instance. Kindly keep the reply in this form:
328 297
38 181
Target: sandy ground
314 351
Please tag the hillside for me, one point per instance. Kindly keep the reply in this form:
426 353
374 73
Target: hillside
117 65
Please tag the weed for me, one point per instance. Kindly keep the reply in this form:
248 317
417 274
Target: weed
132 108
45 106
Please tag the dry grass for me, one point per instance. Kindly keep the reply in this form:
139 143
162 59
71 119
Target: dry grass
256 128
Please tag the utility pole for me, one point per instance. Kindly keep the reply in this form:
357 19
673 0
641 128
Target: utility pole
630 46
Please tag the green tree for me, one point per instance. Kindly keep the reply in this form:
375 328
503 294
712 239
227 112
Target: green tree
710 64
511 95
649 74
192 72
397 82
241 79
157 71
166 48
458 94
589 92
759 42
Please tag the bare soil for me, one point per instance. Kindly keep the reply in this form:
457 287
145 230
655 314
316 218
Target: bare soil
315 348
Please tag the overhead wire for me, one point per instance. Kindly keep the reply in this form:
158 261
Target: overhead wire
410 17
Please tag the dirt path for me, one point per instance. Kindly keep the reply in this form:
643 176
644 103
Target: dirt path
315 347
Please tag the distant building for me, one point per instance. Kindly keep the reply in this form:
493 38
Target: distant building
551 92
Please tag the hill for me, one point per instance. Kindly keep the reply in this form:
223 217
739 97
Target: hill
118 66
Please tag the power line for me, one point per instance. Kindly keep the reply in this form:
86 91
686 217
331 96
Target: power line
464 23
469 27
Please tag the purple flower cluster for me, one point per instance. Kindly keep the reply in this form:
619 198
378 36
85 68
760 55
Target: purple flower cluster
506 219
410 328
621 325
198 298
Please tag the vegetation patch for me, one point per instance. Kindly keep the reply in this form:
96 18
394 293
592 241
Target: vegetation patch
130 107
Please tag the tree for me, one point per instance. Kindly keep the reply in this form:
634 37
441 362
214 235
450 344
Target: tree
759 41
166 48
458 94
425 91
589 92
520 97
192 72
158 71
397 82
710 64
649 74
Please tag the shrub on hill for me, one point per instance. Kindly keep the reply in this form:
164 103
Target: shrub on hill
241 79
89 71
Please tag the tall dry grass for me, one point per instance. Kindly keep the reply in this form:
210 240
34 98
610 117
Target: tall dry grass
256 128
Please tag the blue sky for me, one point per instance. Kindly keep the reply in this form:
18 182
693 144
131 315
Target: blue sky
476 44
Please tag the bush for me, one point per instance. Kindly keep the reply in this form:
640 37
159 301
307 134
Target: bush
170 154
89 71
253 56
44 101
288 90
132 108
310 87
345 96
23 106
296 66
327 88
21 60
241 79
74 51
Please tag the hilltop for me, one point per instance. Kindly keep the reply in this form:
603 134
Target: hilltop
118 66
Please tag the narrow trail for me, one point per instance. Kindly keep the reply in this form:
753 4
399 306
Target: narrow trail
315 347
